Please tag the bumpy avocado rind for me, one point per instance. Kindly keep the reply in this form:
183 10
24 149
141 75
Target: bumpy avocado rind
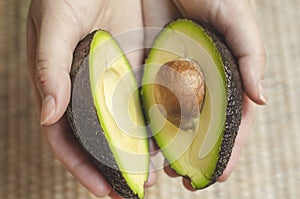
97 59
200 153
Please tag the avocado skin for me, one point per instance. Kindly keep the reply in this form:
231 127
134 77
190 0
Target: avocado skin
234 98
90 133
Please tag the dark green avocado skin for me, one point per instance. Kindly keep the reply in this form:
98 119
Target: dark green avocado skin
84 121
234 98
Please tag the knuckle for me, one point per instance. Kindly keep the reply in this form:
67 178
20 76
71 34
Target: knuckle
41 72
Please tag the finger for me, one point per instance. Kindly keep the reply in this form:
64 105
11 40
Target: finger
55 41
66 148
247 120
187 184
152 178
114 195
168 170
185 181
53 60
241 31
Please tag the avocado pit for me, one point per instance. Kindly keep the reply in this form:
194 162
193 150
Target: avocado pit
180 90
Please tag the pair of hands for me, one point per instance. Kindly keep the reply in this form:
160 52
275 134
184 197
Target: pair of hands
55 27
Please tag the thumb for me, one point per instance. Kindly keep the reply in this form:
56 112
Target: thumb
54 87
242 34
54 50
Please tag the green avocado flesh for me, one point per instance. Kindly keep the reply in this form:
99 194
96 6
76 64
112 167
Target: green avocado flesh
115 99
121 119
196 152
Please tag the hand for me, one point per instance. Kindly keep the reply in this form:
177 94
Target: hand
235 20
53 31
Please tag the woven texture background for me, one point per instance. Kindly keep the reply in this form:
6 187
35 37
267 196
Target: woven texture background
269 167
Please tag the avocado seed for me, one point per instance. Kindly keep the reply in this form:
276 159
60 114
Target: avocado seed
179 90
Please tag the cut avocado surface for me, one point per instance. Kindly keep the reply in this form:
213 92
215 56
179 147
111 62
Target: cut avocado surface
202 150
192 97
106 115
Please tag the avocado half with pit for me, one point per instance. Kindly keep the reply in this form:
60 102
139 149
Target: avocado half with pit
192 96
106 115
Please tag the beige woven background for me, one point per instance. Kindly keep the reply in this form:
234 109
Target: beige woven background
269 168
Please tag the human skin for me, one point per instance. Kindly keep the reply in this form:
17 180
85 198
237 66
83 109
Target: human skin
54 28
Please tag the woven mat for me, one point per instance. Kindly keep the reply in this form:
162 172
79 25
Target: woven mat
269 167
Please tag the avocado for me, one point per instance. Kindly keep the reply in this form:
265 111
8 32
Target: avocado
192 95
105 113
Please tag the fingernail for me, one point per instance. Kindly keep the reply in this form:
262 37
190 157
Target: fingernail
262 93
48 109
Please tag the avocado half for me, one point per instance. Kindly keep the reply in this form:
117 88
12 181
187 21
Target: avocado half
183 53
106 115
